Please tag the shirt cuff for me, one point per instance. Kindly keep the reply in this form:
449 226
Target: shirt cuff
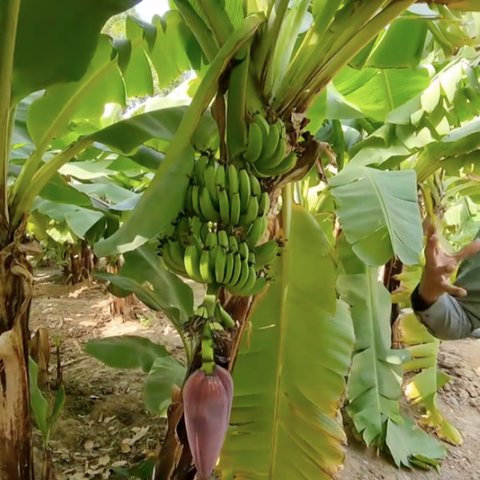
418 303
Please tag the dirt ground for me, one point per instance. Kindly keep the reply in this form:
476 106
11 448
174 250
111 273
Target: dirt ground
105 426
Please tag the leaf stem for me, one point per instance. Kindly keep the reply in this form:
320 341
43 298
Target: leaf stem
270 36
217 20
8 33
201 32
320 78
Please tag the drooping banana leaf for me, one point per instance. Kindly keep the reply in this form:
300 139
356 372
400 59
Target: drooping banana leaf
290 372
421 388
56 40
375 380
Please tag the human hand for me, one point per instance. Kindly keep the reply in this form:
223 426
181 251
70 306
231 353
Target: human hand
439 266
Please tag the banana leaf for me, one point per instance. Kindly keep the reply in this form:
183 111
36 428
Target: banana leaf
290 372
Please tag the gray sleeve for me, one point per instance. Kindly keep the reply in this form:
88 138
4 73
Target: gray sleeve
451 318
447 319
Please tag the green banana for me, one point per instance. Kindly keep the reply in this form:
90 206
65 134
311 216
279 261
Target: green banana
260 284
251 214
199 169
210 183
286 165
177 252
233 243
275 159
263 125
223 317
263 204
171 265
237 269
173 255
195 225
244 188
254 143
229 265
220 265
204 267
204 231
183 230
242 279
247 286
196 200
257 230
255 186
211 240
232 179
212 257
207 208
270 143
220 178
224 206
265 253
197 242
235 208
222 236
188 200
243 250
192 263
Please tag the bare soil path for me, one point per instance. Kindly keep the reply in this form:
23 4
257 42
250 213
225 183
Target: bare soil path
106 425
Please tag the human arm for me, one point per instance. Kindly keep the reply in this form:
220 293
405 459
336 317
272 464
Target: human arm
450 311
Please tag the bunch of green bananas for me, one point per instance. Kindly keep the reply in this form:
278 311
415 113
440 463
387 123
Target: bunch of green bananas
266 150
216 257
215 239
225 194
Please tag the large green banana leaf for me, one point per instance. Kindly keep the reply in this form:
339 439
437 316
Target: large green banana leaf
290 373
56 40
379 213
374 384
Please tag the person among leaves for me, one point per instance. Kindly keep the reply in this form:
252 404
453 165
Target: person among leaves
449 310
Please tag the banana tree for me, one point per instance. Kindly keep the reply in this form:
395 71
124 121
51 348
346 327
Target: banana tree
269 65
59 78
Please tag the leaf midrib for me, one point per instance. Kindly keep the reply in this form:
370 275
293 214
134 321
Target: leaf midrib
286 259
381 202
375 349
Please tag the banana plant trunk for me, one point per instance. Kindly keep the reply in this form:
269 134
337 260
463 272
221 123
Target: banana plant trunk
16 283
174 461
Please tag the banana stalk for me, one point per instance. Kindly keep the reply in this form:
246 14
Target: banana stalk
270 36
320 78
283 48
237 104
8 29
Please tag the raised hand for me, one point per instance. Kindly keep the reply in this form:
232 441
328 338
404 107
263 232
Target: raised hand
439 267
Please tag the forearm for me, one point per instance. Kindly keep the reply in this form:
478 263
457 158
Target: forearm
446 318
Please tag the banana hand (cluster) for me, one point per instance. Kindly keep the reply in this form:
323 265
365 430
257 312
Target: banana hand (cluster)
223 194
267 148
215 239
